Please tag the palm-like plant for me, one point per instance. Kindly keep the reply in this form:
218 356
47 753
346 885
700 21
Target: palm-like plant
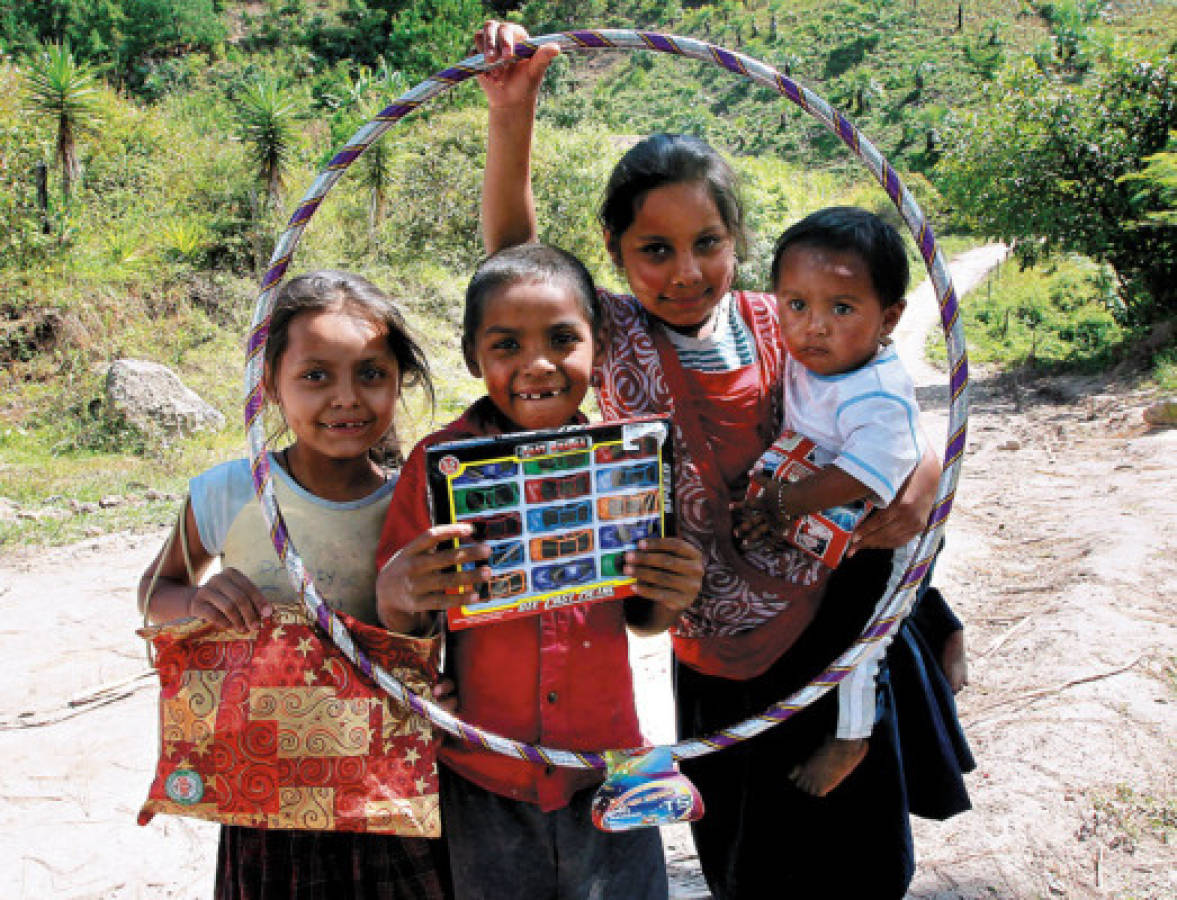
60 88
360 99
267 117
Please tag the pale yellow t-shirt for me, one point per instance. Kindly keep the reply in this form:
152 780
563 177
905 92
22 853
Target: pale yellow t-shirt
337 541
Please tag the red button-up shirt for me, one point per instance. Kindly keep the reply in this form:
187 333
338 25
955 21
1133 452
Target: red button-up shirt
561 679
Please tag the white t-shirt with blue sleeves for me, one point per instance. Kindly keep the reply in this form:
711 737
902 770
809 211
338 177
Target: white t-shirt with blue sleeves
865 422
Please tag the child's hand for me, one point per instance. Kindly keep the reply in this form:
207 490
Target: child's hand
517 82
758 517
668 574
420 578
753 526
445 695
230 600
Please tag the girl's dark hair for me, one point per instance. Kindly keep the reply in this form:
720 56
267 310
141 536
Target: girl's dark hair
663 159
859 231
528 263
328 288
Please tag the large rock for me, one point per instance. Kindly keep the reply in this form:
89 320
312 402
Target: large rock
152 397
1163 412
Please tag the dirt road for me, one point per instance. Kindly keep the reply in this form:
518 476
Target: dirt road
1062 558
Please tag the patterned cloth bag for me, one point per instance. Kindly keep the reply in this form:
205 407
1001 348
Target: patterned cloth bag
278 729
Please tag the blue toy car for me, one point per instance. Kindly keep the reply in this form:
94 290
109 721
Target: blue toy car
551 518
642 475
577 571
504 555
486 472
614 536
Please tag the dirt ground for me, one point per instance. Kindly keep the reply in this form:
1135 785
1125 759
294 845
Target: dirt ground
1061 557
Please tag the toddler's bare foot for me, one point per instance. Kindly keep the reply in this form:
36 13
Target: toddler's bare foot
829 765
953 662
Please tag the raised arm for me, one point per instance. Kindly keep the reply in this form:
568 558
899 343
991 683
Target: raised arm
508 207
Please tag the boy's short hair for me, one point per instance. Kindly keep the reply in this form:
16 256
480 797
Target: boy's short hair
858 231
532 263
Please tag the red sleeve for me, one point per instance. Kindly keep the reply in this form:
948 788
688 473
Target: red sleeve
408 511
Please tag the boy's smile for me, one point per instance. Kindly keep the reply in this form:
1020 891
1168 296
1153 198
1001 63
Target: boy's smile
534 350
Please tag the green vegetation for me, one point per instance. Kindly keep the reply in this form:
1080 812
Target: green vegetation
63 92
1050 317
150 151
1125 817
1059 166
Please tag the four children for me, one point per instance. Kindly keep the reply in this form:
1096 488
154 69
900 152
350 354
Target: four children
748 626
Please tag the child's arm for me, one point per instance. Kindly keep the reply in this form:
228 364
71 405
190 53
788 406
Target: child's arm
228 599
508 208
420 579
823 489
669 574
905 516
779 501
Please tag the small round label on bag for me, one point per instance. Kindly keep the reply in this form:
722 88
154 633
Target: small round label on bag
184 786
448 465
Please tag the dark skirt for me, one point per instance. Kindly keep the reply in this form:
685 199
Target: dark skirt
932 743
758 829
259 864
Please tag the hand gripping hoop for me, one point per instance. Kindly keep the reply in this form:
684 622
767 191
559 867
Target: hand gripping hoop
900 598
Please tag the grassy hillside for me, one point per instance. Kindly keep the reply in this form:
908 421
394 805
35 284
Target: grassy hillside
156 253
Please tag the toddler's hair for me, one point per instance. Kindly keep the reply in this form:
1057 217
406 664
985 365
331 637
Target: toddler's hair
532 263
663 159
328 288
858 231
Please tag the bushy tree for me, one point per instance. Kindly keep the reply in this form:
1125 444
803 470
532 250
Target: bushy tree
1156 185
22 243
359 100
123 37
426 36
1044 164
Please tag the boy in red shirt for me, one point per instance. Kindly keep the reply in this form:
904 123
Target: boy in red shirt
517 828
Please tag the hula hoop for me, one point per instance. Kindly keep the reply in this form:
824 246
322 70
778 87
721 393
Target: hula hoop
889 611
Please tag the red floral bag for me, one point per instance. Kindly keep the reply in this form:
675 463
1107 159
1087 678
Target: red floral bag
279 730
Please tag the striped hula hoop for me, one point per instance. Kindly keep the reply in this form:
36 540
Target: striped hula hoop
890 610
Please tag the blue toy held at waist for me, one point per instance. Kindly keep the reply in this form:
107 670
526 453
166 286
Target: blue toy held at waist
644 788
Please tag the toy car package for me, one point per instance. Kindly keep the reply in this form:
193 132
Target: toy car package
824 535
559 508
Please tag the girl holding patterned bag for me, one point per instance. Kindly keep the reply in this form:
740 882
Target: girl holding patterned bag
336 358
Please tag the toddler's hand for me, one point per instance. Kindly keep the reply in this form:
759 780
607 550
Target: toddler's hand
753 525
420 578
230 600
668 571
518 81
757 517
